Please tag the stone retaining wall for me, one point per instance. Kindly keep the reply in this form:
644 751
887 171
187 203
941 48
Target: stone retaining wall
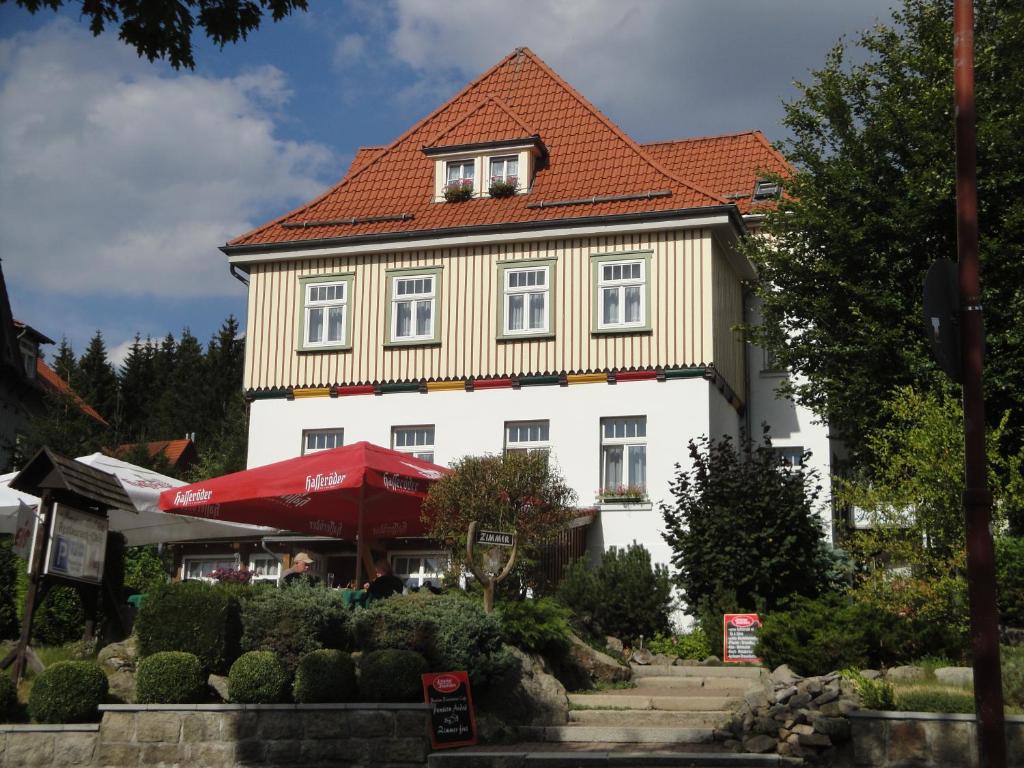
924 740
227 736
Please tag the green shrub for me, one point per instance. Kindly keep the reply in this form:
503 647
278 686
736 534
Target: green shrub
258 677
934 700
9 624
451 630
59 618
169 677
1010 579
536 626
873 694
68 692
690 645
624 596
327 675
292 622
193 617
144 569
1013 675
391 675
8 698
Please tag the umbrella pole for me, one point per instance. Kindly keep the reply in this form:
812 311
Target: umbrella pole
359 538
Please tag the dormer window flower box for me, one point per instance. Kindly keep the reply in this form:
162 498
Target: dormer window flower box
458 190
503 186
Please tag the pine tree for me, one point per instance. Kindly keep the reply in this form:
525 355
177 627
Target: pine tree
64 364
135 383
97 383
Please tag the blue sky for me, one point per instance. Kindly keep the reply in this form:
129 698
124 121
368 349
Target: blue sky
120 178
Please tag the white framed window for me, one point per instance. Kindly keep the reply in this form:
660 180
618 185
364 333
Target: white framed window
505 169
527 436
527 309
314 440
412 307
416 441
624 455
326 309
460 171
789 456
264 567
621 291
199 568
417 568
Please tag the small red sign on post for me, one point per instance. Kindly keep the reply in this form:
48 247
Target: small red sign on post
452 719
740 637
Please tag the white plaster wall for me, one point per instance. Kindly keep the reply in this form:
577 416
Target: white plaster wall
473 423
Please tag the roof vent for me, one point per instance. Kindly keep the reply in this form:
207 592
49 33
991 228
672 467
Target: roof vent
765 189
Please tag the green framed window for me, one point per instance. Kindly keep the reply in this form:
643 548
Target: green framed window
526 299
325 312
621 292
413 306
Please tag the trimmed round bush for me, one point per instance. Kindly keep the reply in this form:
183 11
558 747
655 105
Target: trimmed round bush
391 675
8 698
68 692
258 677
326 675
169 677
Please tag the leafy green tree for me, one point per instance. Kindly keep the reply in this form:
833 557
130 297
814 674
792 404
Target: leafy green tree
743 528
9 624
162 29
144 568
872 204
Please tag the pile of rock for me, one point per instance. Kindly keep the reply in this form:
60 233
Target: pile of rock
793 716
121 659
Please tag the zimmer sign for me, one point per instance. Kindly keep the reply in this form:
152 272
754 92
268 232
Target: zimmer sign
77 546
495 538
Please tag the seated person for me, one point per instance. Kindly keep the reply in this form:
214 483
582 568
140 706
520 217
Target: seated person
386 584
299 572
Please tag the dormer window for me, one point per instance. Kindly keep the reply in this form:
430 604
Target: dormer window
492 169
765 189
460 172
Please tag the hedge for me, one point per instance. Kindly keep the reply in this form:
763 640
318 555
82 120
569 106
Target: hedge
8 698
193 617
68 692
258 677
169 677
326 675
391 675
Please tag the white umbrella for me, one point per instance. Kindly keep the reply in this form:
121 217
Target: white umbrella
145 524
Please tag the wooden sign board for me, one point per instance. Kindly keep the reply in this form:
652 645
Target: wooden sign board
739 638
452 719
495 538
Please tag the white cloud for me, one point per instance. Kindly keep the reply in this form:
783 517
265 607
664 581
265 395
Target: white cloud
660 68
118 179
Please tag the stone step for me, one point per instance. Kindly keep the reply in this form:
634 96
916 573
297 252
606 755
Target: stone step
621 734
652 717
723 686
652 699
535 756
753 673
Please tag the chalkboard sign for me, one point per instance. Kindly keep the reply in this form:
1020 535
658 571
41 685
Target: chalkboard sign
452 720
740 637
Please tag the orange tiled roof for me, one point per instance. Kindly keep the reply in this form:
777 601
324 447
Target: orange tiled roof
588 156
171 449
364 155
728 165
50 378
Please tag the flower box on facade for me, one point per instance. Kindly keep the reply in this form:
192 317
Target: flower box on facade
457 191
503 187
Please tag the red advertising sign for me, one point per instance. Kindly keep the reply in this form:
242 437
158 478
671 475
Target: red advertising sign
452 719
739 638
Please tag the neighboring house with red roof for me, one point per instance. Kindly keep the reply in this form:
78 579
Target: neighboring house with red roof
179 454
516 273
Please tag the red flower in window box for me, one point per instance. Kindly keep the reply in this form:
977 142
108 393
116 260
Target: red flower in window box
458 190
503 186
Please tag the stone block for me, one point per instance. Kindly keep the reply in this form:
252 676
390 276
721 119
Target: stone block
784 674
907 742
325 724
1015 743
869 738
246 726
201 726
250 751
784 694
117 754
905 674
74 748
279 725
371 724
802 728
29 749
789 750
211 754
818 740
769 726
760 744
284 752
952 744
831 693
962 676
117 726
158 726
831 709
398 751
811 685
800 700
837 728
756 699
166 754
324 750
411 723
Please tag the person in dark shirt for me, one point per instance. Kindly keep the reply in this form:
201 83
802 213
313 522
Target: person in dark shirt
386 584
299 572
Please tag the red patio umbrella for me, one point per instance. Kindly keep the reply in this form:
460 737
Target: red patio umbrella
351 492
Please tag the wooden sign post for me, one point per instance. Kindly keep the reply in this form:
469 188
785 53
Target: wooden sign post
493 573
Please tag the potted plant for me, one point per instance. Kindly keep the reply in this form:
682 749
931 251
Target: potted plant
458 190
503 186
622 494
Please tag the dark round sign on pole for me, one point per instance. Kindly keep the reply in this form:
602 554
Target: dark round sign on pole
942 317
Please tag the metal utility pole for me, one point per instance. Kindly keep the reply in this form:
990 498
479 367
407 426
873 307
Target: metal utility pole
977 500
